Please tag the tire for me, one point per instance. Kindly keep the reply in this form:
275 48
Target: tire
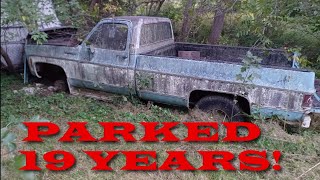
60 85
222 104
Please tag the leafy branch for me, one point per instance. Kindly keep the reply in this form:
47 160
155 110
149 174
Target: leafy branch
39 37
246 74
8 141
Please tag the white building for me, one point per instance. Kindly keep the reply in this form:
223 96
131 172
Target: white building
13 36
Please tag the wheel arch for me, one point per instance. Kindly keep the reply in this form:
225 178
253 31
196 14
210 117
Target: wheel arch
196 95
52 72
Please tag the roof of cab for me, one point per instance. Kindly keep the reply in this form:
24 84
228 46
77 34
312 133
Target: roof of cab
136 19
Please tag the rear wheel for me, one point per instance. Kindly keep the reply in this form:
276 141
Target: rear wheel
224 107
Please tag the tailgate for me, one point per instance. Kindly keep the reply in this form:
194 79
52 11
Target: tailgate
316 98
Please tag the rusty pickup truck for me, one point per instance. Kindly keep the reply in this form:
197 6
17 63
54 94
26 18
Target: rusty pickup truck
138 55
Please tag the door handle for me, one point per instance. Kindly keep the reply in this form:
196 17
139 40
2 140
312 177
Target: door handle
70 53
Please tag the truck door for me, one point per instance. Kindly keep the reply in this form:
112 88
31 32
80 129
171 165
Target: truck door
107 68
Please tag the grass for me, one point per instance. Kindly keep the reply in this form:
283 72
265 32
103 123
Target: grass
299 151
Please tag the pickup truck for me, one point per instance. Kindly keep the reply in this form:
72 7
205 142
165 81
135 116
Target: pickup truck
137 55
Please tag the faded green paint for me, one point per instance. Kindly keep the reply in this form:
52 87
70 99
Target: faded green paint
100 87
283 114
161 98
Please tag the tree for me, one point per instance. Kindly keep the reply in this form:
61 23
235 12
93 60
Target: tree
152 7
221 9
186 21
217 24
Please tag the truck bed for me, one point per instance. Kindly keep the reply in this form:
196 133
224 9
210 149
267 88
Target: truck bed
271 57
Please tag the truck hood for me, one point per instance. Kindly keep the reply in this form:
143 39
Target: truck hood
59 36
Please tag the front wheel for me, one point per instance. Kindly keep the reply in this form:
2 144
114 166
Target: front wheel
61 86
223 106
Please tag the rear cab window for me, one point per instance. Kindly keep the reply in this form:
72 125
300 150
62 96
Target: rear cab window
155 32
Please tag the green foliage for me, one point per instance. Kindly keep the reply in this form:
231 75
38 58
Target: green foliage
39 37
73 13
200 31
8 140
172 12
317 67
277 24
297 35
79 14
295 55
61 108
20 161
163 114
263 23
144 80
317 74
250 62
157 114
25 12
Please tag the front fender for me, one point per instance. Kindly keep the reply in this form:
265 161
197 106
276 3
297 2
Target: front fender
32 68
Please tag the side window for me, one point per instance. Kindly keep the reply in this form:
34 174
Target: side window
155 32
110 36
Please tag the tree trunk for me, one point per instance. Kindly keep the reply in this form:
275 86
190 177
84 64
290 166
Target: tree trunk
217 25
7 59
93 3
159 7
186 21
